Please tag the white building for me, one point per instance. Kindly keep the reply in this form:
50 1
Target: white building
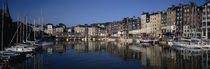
49 29
92 31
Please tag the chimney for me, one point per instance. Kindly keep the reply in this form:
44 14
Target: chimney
173 6
134 17
127 19
180 4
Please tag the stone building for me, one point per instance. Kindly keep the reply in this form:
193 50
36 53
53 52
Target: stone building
145 19
59 29
102 28
179 20
49 29
80 29
155 20
206 20
171 19
92 31
163 22
189 22
115 28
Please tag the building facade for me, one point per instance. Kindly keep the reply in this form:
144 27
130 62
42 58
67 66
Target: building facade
171 19
206 20
49 29
189 25
92 31
155 20
145 18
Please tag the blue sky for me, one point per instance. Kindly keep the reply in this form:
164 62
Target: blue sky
74 12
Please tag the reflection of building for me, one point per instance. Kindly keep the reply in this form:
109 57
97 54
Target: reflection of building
49 50
149 56
60 48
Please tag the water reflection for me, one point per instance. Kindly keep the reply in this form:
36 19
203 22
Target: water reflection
96 55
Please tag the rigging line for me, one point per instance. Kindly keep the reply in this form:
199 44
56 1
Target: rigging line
14 35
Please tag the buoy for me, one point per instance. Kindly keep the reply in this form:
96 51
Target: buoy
5 64
48 63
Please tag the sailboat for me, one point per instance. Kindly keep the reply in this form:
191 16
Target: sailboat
20 47
6 55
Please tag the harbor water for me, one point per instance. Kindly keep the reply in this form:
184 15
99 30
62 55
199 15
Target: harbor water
111 55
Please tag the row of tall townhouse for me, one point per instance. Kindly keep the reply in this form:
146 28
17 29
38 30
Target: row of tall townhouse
181 20
125 28
184 20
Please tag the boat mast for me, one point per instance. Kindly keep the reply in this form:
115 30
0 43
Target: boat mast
42 23
26 28
20 30
34 29
18 26
195 24
2 28
206 22
24 20
17 30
